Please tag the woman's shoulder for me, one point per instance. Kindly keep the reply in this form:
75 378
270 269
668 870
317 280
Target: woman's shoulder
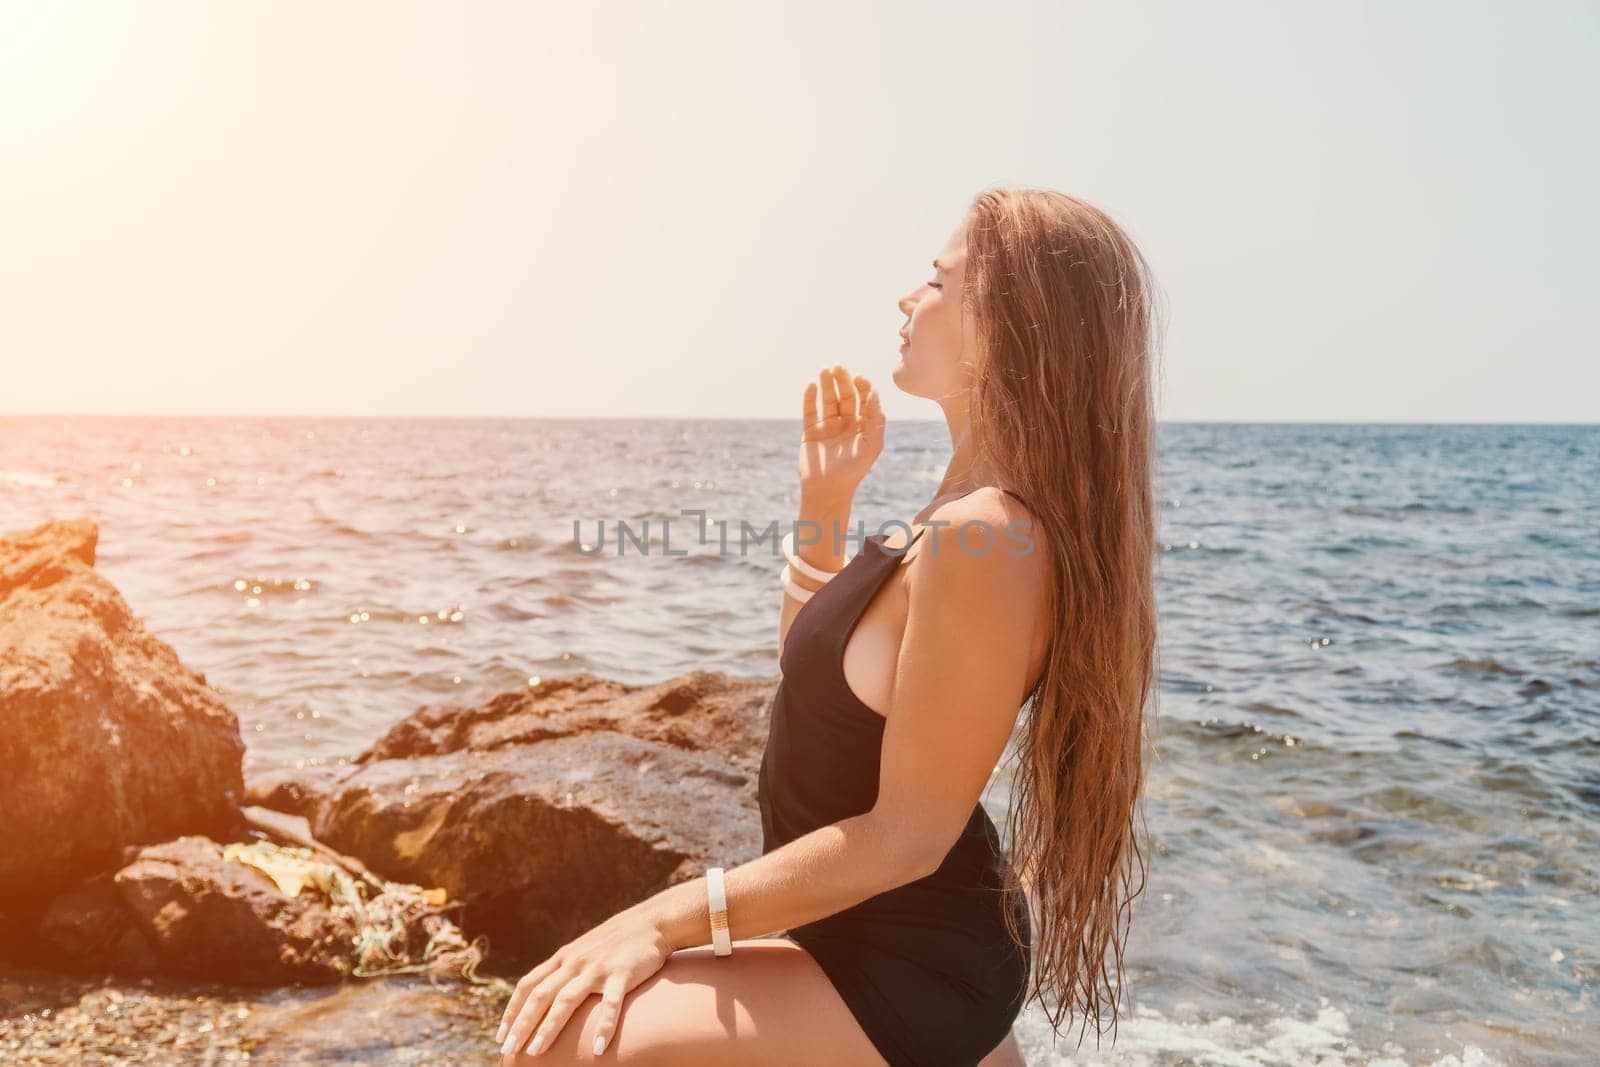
984 560
987 535
988 510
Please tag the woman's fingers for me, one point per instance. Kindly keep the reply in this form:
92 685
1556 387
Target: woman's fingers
532 1011
840 394
519 995
830 393
846 390
514 1005
609 1012
561 1009
870 407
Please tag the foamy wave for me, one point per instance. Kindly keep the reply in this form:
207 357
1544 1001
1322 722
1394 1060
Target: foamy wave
1149 1038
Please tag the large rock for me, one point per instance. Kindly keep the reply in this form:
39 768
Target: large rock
194 909
211 917
182 908
90 926
106 739
702 711
549 810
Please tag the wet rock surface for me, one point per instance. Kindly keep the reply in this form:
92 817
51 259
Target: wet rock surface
548 811
390 1021
250 914
106 739
90 926
205 916
702 711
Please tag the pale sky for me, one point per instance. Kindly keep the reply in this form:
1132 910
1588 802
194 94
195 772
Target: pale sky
1356 211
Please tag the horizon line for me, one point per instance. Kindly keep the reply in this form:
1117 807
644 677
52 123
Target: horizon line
1376 421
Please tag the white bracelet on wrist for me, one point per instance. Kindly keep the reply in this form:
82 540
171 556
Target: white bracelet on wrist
792 587
717 902
816 574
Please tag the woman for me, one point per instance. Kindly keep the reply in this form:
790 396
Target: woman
909 936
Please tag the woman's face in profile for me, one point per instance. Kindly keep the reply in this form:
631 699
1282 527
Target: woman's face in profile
939 359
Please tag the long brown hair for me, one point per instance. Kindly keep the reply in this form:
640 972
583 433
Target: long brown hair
1063 410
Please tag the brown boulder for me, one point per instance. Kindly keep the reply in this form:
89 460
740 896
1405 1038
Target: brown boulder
194 909
182 908
702 711
211 917
106 739
547 811
89 927
296 790
544 841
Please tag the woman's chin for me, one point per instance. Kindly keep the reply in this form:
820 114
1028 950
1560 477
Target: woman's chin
902 376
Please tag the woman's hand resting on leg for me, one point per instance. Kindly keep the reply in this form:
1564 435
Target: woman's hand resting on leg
610 959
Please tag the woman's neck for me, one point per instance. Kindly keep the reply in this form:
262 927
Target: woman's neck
963 473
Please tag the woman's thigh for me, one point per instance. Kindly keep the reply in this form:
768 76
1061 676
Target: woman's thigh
768 1003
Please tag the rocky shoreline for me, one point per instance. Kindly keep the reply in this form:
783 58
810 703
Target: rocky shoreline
54 1018
158 907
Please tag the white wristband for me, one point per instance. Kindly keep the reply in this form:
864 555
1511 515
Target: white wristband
792 587
717 898
816 574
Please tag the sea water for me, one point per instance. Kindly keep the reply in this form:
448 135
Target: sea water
1374 793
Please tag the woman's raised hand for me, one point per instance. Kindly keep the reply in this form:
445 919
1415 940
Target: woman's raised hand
842 438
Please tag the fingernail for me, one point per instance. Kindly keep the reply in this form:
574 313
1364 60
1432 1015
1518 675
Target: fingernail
535 1044
505 1049
500 1034
599 1044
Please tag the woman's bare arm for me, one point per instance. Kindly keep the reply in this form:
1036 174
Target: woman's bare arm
819 515
961 678
841 434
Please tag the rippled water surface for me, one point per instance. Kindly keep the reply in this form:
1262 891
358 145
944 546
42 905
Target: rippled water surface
1375 804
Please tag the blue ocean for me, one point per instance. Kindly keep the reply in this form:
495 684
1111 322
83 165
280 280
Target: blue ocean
1374 795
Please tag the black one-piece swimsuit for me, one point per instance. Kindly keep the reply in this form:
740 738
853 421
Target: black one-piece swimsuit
928 968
